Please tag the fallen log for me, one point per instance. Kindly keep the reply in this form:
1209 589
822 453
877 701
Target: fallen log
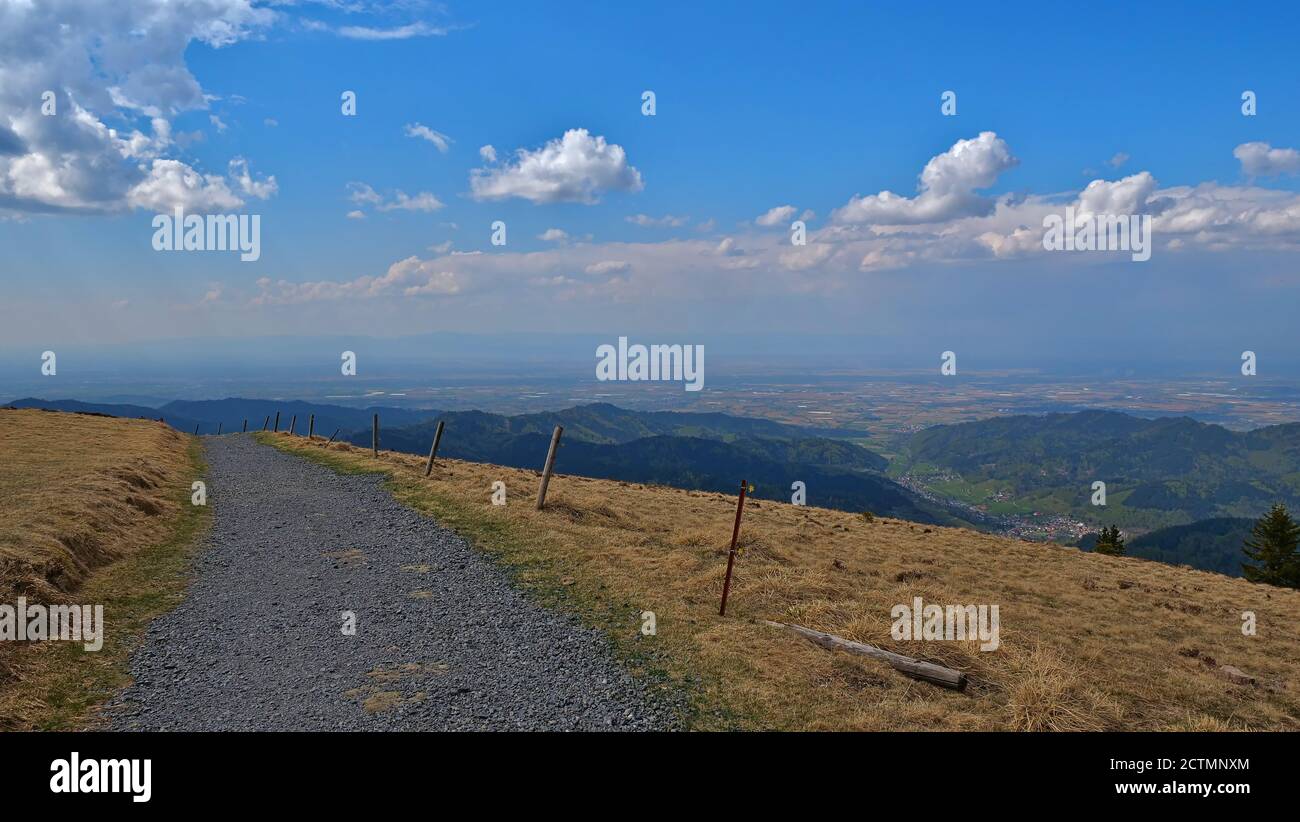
936 674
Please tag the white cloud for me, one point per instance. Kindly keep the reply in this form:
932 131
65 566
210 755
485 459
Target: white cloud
488 153
1262 160
441 141
775 216
1119 159
424 201
120 63
576 168
363 194
171 183
1127 196
411 277
397 33
946 190
554 235
666 221
1208 218
356 215
608 267
802 258
261 190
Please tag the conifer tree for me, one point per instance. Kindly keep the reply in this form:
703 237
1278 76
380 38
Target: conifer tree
1272 550
1110 542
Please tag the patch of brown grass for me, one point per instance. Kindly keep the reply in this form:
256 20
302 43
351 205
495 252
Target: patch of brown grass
92 510
80 491
1088 642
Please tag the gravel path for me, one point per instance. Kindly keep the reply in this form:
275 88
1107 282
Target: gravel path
443 640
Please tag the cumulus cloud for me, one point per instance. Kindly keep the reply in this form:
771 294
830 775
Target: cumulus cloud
575 168
554 235
171 183
946 189
488 153
1262 160
121 63
440 141
776 216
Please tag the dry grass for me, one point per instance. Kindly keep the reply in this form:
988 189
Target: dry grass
78 492
93 510
1088 642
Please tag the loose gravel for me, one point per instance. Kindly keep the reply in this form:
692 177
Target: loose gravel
443 640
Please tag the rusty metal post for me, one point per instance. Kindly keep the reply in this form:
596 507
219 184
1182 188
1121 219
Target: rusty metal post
731 555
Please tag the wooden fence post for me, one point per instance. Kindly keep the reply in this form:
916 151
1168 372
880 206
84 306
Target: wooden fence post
374 436
550 464
332 436
219 429
245 425
293 423
433 452
277 423
731 555
266 422
311 427
196 429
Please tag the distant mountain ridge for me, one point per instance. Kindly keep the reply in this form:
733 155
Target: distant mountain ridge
1163 471
836 474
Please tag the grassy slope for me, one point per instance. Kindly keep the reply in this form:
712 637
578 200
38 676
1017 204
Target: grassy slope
1088 641
96 511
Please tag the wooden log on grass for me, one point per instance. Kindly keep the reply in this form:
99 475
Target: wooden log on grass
550 464
928 671
433 452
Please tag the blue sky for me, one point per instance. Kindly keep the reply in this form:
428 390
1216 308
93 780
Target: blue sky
760 106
